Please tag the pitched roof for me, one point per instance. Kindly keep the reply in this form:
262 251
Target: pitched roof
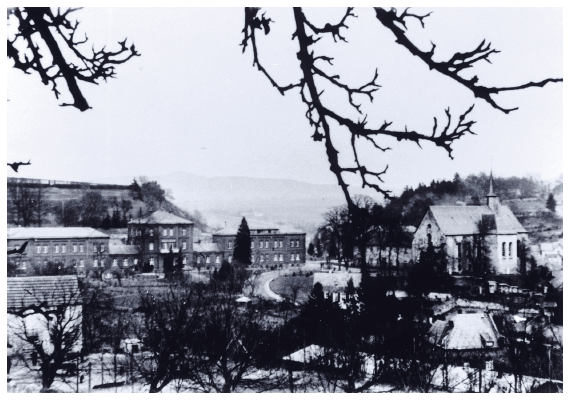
123 249
465 331
34 290
54 233
161 217
463 220
207 248
253 231
336 280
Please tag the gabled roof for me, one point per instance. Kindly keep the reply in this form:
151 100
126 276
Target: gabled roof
162 218
123 249
465 331
463 220
207 248
34 290
55 233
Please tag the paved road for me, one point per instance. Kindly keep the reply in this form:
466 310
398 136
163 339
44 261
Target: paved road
265 278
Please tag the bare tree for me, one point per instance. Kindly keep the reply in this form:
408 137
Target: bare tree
48 328
20 202
39 27
322 118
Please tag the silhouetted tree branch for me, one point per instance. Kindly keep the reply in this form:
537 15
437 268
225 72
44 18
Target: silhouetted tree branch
40 22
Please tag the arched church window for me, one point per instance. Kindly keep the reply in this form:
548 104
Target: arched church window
503 249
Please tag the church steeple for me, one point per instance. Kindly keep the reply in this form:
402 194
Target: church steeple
492 198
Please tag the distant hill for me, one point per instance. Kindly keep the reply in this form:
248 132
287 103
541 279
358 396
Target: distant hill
222 200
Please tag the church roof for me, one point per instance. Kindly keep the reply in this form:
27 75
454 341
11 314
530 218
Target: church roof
463 220
162 218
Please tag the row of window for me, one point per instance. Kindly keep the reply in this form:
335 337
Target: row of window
62 248
165 232
166 246
279 257
276 244
209 260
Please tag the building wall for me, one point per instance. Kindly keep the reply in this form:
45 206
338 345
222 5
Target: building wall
421 239
276 250
159 241
81 259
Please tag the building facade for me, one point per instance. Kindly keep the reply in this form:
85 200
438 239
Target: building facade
269 247
455 229
159 233
82 248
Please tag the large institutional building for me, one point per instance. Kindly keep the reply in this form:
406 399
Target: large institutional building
269 246
149 240
454 229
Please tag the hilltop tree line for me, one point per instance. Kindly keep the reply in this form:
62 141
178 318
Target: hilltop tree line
29 205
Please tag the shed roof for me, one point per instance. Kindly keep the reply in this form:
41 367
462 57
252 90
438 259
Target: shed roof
35 290
336 280
463 220
207 248
467 331
55 233
161 217
123 249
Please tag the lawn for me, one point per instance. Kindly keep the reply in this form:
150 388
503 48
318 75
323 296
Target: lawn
284 284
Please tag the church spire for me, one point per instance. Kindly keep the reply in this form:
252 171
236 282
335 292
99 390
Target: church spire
491 193
492 199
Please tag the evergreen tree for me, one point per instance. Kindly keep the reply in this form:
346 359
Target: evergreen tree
226 272
135 190
311 249
116 219
551 203
242 249
106 223
140 214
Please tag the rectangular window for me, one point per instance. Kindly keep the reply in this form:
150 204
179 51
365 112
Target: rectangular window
63 248
230 258
57 248
171 232
217 259
82 263
184 261
261 258
81 248
184 245
75 248
45 249
151 261
151 246
251 247
281 243
459 250
208 260
292 244
280 257
164 232
267 244
184 234
38 249
102 248
24 265
115 262
94 248
292 257
151 233
126 262
275 243
230 244
298 257
198 260
95 263
275 257
297 243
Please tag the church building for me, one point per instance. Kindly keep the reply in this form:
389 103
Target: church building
457 229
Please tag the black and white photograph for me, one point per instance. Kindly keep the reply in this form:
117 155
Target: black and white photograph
213 198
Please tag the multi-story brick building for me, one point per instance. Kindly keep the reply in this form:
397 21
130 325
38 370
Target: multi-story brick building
82 248
159 233
269 247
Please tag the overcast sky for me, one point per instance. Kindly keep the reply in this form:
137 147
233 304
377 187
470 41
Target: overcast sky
193 102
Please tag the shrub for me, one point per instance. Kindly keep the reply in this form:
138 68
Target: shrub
294 274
